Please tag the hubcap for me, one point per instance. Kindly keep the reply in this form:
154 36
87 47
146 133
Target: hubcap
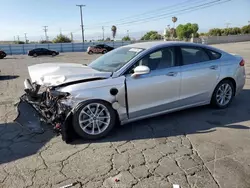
94 118
224 94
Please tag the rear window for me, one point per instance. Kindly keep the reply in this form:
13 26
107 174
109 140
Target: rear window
214 55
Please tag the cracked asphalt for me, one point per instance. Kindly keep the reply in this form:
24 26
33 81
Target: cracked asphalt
200 147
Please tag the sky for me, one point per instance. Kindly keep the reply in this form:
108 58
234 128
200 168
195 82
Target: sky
28 16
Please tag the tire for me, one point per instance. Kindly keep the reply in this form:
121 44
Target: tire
90 52
81 114
104 51
218 90
53 54
1 57
34 55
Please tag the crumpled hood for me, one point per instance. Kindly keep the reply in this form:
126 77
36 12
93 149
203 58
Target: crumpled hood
53 74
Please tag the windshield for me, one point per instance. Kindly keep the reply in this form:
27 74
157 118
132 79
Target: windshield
115 59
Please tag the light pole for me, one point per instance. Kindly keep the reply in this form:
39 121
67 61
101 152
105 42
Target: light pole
128 33
102 33
25 36
81 21
45 32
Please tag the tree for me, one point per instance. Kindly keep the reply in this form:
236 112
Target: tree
167 34
114 30
61 39
186 31
173 32
108 39
174 19
126 38
45 41
245 29
19 42
152 35
217 32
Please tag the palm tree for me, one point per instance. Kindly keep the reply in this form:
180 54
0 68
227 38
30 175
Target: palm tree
113 29
174 19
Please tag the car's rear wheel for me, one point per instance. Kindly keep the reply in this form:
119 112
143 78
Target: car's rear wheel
53 54
223 94
104 51
94 119
90 52
34 55
1 57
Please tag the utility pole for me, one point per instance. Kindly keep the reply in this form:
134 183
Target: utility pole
60 31
14 39
128 33
18 38
45 32
81 21
71 36
102 33
25 36
227 24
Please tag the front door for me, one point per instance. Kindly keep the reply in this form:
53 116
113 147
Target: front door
157 91
199 75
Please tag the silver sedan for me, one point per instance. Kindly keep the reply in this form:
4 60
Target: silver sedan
134 82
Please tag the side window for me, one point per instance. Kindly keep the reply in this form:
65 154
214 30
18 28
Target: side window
214 55
193 55
160 59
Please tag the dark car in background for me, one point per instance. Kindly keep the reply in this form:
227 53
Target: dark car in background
99 49
2 54
42 51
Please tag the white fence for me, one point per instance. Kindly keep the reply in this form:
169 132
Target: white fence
12 49
15 49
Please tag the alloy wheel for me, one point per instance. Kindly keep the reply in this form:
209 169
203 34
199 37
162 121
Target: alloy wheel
224 94
94 118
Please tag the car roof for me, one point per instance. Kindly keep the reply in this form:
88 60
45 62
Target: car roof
154 44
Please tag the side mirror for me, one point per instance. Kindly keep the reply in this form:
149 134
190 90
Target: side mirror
140 70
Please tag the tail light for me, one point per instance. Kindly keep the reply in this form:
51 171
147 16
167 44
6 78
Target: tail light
242 63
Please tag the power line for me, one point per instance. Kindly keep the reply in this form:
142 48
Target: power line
135 17
179 12
157 11
80 6
161 16
45 32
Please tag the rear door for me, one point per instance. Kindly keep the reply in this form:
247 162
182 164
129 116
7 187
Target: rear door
199 74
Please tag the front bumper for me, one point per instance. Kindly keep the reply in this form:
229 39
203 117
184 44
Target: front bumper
31 117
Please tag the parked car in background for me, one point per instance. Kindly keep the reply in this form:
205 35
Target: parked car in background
99 49
132 82
2 54
42 51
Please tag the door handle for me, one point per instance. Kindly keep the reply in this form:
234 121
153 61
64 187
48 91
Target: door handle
214 67
171 74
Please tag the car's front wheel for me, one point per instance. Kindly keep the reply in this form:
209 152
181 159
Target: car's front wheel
223 94
34 55
90 52
53 54
94 119
104 51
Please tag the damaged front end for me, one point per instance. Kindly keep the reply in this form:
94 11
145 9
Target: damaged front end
38 105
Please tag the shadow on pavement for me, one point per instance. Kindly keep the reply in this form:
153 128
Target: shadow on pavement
8 77
16 143
198 120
